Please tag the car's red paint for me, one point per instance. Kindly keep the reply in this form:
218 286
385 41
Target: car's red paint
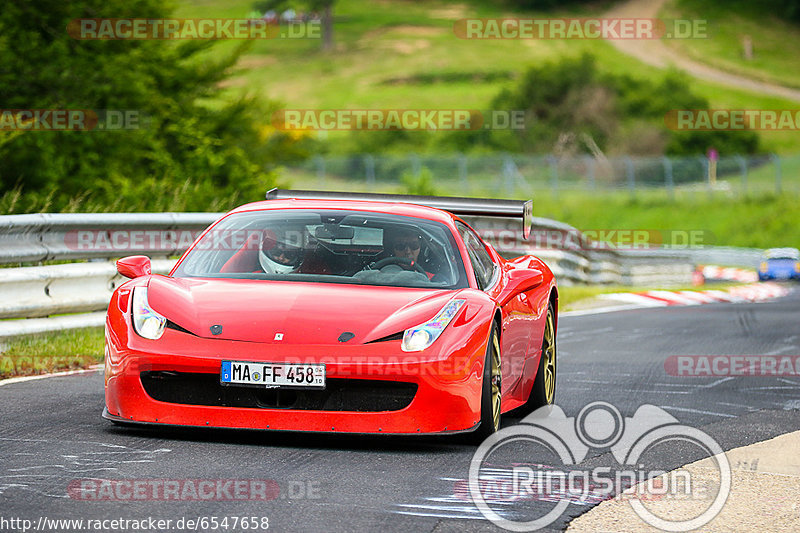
311 317
134 266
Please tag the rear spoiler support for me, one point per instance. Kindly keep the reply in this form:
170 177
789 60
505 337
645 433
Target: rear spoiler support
522 209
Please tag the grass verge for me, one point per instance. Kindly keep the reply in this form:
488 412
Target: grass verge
51 352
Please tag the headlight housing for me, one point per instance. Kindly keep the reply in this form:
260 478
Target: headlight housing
146 321
763 267
420 337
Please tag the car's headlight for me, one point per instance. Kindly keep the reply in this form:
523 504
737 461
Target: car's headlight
146 322
420 337
763 267
797 267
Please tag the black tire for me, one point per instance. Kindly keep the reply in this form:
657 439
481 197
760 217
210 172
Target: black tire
490 389
544 390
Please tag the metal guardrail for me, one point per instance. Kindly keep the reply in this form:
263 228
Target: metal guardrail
34 292
64 236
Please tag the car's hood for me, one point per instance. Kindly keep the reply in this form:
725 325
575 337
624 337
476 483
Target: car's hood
304 313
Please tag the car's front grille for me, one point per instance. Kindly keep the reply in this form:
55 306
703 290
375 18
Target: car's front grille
339 394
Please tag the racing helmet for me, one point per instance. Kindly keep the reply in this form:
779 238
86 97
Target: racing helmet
280 250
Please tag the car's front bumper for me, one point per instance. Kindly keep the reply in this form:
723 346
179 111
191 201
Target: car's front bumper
447 396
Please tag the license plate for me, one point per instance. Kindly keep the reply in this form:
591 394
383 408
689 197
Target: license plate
273 375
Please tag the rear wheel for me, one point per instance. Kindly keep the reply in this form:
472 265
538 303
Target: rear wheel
544 386
491 389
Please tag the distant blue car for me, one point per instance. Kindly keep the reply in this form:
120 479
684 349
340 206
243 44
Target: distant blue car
780 263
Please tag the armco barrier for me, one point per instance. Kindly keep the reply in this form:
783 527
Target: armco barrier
34 292
40 291
57 236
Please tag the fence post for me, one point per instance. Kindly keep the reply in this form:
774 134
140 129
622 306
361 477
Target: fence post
462 172
319 162
590 171
631 175
415 165
704 161
369 167
553 174
668 178
508 175
777 160
743 168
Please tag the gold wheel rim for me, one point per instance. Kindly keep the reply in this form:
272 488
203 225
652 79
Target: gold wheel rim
496 381
549 354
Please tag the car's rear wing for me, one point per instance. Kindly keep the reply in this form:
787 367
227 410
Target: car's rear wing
522 209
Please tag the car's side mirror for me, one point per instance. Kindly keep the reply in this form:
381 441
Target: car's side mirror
134 266
520 280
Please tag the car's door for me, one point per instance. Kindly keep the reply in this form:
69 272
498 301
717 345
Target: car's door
517 314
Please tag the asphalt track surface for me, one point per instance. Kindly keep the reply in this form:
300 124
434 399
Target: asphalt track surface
51 432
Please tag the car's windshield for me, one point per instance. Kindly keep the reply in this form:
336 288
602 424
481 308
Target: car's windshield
782 254
329 246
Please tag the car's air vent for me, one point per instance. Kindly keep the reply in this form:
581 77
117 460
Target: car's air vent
364 395
176 327
393 337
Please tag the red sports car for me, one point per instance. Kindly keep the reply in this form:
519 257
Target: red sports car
335 312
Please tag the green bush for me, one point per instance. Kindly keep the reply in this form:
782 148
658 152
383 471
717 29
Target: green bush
571 105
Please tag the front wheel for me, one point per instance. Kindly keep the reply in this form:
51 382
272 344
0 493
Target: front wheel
491 388
544 386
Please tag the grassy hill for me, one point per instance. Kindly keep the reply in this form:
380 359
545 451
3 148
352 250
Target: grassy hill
776 42
400 53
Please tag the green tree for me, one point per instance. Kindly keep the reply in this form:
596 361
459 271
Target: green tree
188 135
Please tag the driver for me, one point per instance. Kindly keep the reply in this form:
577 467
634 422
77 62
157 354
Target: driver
405 243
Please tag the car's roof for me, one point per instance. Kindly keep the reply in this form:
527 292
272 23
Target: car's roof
391 208
792 253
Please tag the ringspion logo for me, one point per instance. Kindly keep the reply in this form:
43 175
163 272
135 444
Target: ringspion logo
541 459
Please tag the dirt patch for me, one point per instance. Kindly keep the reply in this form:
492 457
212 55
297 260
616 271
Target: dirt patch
404 30
256 61
232 83
454 12
409 47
